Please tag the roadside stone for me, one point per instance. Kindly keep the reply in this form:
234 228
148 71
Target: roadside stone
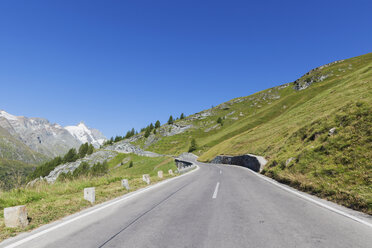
16 216
160 174
170 172
125 184
146 178
90 194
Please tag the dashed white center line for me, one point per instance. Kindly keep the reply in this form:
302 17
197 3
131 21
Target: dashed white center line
220 171
216 191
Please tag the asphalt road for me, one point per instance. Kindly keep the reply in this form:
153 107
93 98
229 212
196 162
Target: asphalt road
216 206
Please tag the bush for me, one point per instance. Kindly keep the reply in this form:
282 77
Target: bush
99 169
83 169
193 145
220 121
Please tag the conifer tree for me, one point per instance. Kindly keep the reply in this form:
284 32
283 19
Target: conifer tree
193 145
170 120
83 149
90 149
147 133
157 124
70 156
220 121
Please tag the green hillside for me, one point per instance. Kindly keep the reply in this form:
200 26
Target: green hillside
49 202
16 160
293 121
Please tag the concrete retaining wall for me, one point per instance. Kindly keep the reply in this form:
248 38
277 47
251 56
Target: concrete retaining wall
182 164
253 162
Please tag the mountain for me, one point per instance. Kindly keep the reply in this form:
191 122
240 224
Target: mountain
316 132
46 138
85 134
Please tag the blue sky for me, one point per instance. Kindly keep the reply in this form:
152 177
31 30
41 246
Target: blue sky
123 64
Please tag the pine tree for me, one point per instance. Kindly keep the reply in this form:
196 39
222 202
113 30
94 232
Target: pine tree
170 120
220 121
70 156
83 150
157 124
193 145
182 116
151 127
90 149
148 132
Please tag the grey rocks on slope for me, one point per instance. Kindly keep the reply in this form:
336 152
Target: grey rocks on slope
125 147
44 137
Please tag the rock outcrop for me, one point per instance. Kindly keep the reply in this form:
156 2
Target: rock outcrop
125 146
97 157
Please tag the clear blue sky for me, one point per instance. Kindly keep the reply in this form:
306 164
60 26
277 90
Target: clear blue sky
122 64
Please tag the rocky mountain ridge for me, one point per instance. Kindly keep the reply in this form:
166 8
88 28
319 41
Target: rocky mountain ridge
46 138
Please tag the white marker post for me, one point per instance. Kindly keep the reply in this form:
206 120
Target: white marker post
125 184
160 174
90 194
15 216
146 178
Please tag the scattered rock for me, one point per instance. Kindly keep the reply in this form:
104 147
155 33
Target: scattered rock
125 147
173 129
332 131
289 161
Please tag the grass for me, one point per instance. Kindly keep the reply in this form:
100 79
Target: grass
46 203
266 123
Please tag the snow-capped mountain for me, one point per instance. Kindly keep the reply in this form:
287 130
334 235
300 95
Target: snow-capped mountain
85 134
47 138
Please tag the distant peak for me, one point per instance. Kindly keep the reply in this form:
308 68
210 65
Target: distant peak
82 124
8 116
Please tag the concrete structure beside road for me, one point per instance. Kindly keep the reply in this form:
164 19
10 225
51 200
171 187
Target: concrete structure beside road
15 216
90 194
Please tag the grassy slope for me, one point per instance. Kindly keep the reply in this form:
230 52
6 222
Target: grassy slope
46 203
13 149
267 126
16 160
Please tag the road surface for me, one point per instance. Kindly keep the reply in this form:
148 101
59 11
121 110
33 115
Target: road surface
215 206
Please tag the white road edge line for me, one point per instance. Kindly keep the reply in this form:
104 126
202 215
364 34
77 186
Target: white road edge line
216 191
310 199
135 193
